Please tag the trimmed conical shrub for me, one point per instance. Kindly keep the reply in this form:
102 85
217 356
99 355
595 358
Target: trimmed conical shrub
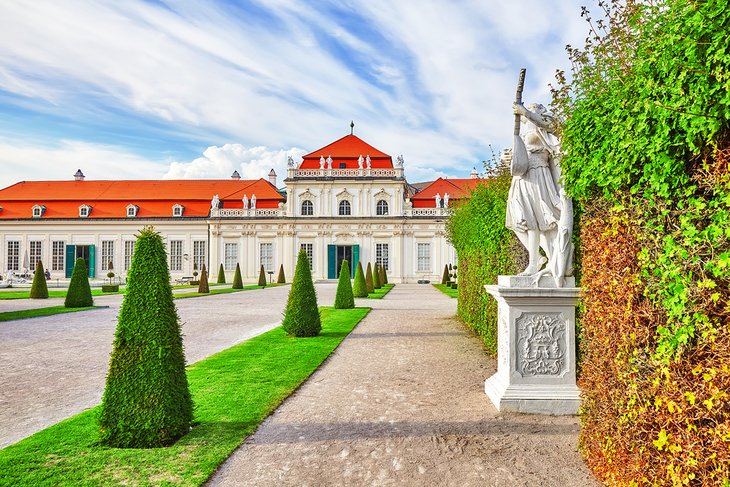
344 298
369 280
237 280
203 286
376 277
39 288
146 402
282 278
301 315
359 287
445 277
79 291
383 278
221 275
262 277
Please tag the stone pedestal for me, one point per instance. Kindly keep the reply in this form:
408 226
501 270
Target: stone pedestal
536 346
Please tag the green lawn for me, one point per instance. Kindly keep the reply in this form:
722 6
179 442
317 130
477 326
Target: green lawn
34 313
233 392
379 293
454 293
25 293
195 294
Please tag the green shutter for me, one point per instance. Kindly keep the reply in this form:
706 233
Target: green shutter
331 262
92 261
70 259
355 259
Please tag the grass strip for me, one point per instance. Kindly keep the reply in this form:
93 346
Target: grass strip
25 294
35 313
233 392
379 293
196 294
454 293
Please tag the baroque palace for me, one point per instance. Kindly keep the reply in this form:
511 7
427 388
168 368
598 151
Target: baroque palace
347 200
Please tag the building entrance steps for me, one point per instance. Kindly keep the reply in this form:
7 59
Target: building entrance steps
402 401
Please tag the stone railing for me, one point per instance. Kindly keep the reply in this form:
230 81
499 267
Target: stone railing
396 172
246 213
428 211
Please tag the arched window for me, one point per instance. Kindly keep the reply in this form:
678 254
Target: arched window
381 208
307 208
345 208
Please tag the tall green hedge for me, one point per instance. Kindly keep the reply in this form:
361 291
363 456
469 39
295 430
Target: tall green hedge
344 299
203 286
221 275
146 402
39 288
301 315
79 290
359 286
237 280
262 277
281 278
369 280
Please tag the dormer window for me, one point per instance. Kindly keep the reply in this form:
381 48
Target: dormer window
84 211
177 210
38 211
132 211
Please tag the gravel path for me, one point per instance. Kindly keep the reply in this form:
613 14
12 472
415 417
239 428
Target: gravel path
402 402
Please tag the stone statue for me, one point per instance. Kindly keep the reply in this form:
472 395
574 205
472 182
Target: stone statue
321 162
245 202
359 161
538 209
329 162
446 200
253 201
367 161
437 197
399 161
215 202
290 161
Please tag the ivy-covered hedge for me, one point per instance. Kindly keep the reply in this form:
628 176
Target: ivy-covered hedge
485 249
647 145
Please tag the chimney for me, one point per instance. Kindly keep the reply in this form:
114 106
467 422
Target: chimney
235 175
79 176
272 177
474 174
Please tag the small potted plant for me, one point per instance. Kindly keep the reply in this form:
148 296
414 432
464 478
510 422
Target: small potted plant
195 281
110 288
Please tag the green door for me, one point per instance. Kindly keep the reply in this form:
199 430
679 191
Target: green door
92 261
331 261
70 259
355 259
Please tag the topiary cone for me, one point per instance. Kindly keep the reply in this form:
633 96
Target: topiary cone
39 288
79 291
359 287
376 277
203 286
146 402
445 277
301 315
369 280
221 275
237 280
344 298
281 279
383 278
262 277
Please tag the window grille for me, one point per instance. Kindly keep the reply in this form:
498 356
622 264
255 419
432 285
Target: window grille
176 255
345 208
230 256
424 257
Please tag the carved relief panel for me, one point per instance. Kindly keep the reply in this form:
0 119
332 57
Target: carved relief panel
541 344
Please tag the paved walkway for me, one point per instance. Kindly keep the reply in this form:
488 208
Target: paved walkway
54 367
402 401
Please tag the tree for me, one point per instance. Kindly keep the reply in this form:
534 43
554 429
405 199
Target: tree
369 280
445 277
281 279
203 286
39 288
221 275
383 277
301 315
79 291
110 274
376 277
359 287
262 277
237 280
147 401
344 298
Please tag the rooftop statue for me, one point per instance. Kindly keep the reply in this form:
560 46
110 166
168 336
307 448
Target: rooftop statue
359 161
446 200
245 202
215 202
321 162
329 162
399 161
437 197
253 201
290 161
367 161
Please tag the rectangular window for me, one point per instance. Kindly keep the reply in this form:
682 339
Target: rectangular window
199 252
309 249
267 256
424 257
36 254
381 254
58 256
128 252
230 256
176 254
13 256
107 254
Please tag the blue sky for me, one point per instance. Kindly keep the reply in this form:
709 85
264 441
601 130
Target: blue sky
191 89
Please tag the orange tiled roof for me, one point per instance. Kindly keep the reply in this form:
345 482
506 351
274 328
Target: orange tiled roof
109 199
457 189
347 150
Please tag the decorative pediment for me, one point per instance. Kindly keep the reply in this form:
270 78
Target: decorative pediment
382 195
307 195
344 238
344 195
